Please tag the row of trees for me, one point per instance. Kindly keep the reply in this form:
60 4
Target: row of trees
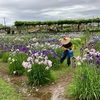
61 23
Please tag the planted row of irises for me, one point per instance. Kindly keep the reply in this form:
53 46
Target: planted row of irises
86 81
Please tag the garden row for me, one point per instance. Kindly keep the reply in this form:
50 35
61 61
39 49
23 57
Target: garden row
86 81
37 55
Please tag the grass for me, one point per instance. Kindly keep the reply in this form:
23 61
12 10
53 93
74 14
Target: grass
3 66
7 92
98 34
61 72
77 51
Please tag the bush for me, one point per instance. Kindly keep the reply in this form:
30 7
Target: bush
75 43
15 63
59 52
56 63
1 54
5 56
38 70
38 75
84 37
86 84
55 58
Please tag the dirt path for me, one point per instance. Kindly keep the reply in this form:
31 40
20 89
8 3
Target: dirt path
58 90
54 91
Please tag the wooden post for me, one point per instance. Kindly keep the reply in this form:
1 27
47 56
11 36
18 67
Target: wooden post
82 46
81 52
1 46
73 62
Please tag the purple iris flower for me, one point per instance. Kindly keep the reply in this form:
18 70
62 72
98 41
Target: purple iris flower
91 60
45 52
98 62
81 78
34 51
97 56
24 49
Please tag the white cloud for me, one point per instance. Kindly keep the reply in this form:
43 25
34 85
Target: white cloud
41 10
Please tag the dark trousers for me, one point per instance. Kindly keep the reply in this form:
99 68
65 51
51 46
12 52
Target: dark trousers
64 55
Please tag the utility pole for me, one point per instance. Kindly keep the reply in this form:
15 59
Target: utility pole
93 24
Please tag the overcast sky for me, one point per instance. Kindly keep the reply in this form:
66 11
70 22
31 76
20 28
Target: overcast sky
41 10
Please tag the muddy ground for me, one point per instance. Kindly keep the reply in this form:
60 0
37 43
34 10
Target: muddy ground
53 91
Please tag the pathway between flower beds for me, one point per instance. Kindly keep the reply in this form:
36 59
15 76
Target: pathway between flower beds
54 91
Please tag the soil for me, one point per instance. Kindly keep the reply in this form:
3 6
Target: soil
54 91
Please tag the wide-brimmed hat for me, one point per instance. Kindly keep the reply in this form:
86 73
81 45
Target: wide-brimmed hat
65 40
